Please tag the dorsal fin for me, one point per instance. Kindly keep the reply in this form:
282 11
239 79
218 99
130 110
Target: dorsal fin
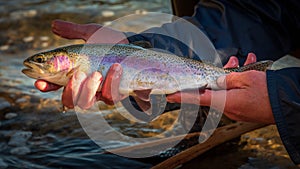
143 44
143 94
260 66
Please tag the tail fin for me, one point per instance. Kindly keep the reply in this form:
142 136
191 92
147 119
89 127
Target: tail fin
260 66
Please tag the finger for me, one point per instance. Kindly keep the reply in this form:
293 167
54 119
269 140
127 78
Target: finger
71 30
215 99
174 97
232 63
88 92
72 90
67 97
191 97
110 89
44 86
251 58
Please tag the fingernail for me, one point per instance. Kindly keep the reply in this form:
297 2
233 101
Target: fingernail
233 62
117 68
252 57
221 80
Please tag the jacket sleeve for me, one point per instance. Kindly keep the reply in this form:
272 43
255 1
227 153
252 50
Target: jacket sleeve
270 29
284 94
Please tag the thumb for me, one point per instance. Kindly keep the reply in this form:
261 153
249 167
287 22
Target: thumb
230 81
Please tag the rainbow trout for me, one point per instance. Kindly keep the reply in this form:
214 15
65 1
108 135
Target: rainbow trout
145 71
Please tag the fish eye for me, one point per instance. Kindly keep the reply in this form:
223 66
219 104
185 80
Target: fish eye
39 59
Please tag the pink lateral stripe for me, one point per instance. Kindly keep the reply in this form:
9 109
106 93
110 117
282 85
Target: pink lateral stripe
61 63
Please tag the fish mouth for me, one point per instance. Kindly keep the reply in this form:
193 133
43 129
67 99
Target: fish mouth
38 71
33 69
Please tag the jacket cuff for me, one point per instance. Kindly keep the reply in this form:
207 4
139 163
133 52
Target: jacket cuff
274 86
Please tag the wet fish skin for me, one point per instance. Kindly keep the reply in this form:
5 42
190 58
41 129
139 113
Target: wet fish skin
143 69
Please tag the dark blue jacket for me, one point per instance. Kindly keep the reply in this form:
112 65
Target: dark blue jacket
270 29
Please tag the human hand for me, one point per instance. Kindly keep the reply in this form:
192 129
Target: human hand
244 92
82 90
91 33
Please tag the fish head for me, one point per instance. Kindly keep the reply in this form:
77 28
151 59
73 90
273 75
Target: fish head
53 66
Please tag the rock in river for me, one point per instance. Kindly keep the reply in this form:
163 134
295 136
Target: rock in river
10 115
4 103
19 138
20 150
3 164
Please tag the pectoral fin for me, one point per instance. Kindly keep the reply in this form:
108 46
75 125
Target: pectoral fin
154 106
145 110
143 95
72 71
144 105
